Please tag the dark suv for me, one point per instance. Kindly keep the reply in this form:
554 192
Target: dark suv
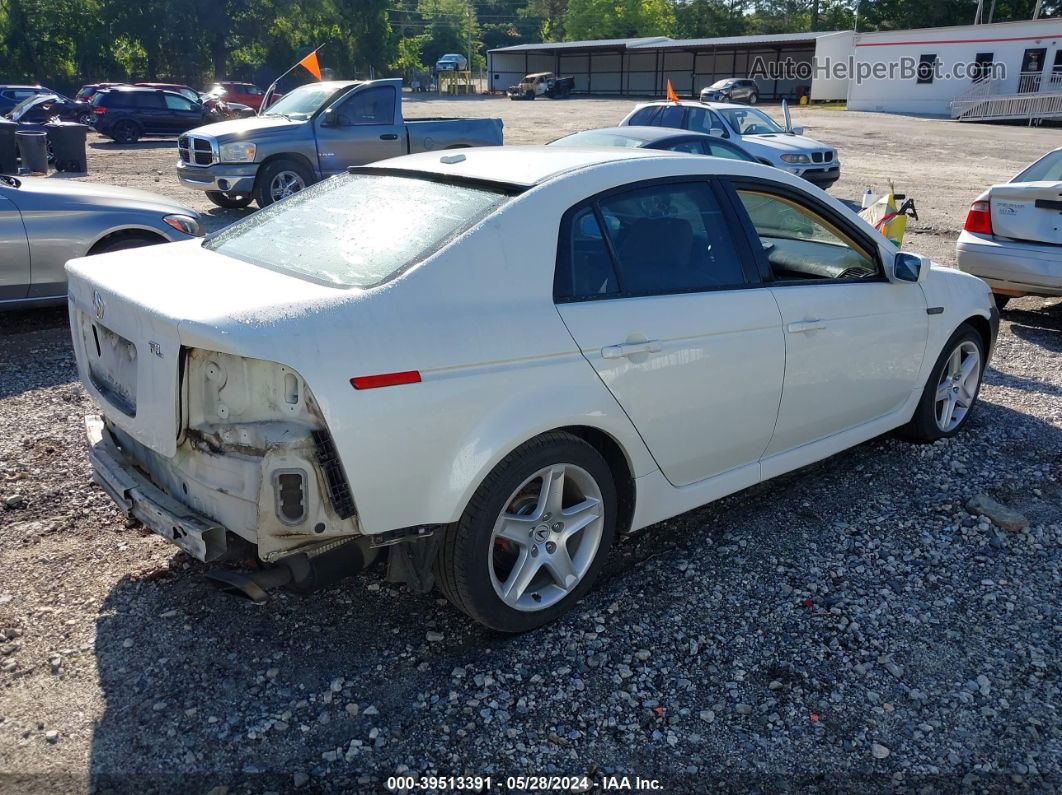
128 114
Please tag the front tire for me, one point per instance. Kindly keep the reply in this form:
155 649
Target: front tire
534 536
754 98
234 201
950 394
279 179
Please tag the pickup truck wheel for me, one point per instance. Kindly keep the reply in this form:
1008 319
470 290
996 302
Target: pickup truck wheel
230 201
279 179
126 132
533 537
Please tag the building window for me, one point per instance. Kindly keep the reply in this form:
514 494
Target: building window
982 66
927 65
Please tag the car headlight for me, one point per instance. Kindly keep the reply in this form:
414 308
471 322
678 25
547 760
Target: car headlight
239 152
796 158
184 223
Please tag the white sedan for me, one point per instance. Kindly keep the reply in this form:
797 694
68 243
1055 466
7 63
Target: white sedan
489 363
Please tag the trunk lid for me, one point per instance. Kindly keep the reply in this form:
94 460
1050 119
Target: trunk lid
1030 211
132 311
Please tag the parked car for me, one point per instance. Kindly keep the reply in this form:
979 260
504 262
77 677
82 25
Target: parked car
86 92
187 92
313 132
662 138
13 95
452 62
127 114
1013 233
45 222
41 108
542 84
756 132
243 93
732 89
390 360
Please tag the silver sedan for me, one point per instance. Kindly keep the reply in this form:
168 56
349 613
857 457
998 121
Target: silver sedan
45 222
1013 234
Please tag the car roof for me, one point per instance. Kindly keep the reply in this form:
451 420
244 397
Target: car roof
696 103
648 134
18 85
523 166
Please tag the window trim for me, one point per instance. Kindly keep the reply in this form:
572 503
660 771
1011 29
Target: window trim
815 205
746 260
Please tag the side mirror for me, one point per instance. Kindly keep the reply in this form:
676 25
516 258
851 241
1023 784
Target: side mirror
330 118
718 132
911 267
798 131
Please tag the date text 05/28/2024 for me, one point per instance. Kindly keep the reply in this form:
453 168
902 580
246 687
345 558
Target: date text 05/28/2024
571 784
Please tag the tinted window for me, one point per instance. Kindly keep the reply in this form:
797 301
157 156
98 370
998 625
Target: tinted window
355 230
926 67
174 102
802 245
720 149
702 120
587 270
369 106
689 147
146 99
670 116
644 117
670 238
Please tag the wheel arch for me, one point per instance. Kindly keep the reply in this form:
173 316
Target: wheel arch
127 231
298 157
983 328
619 465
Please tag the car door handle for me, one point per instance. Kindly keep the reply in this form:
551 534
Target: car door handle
389 137
807 325
629 349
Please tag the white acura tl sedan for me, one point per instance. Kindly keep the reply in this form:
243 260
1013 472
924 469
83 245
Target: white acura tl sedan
489 363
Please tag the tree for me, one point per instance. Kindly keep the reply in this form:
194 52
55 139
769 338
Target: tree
711 18
550 17
618 19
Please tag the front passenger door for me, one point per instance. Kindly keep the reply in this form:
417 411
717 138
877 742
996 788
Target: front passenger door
854 340
366 129
656 292
183 114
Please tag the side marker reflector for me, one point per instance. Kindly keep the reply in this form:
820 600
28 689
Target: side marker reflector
387 379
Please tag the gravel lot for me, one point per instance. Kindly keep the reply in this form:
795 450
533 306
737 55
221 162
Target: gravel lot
852 626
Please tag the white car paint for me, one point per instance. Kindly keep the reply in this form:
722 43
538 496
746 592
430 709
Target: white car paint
731 387
767 147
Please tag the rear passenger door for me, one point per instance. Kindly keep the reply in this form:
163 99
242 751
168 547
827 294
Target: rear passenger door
182 115
150 110
658 295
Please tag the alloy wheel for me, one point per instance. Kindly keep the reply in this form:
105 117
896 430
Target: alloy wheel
957 387
545 540
285 184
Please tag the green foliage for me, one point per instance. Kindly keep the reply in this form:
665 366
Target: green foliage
63 43
618 19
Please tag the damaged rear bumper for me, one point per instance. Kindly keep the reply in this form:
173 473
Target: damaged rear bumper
137 496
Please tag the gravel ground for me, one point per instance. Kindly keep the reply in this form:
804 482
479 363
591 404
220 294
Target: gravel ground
852 626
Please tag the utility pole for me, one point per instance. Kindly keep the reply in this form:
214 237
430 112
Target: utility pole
1036 11
814 15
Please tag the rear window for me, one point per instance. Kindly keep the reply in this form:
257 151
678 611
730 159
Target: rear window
1046 169
592 138
357 230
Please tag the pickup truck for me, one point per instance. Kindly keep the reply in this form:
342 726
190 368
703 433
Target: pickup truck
311 133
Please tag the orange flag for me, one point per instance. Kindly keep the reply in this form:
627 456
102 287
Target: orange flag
310 62
671 95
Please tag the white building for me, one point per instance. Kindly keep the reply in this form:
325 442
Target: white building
1028 54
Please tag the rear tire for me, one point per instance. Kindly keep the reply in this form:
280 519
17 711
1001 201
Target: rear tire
235 201
754 98
510 562
951 392
126 132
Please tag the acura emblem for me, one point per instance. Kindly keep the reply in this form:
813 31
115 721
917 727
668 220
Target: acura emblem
97 301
